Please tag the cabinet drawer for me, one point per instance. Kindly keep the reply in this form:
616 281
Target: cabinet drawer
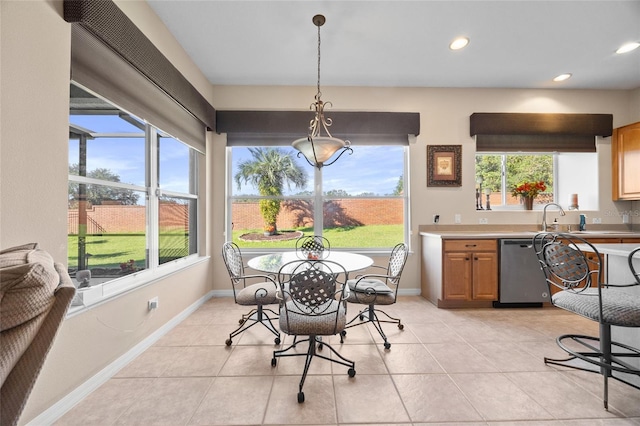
470 245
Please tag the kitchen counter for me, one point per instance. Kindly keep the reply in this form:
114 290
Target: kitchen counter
450 232
461 264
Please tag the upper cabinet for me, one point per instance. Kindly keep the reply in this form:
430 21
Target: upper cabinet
625 153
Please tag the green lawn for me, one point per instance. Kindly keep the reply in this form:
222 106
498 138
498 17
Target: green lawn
370 236
110 250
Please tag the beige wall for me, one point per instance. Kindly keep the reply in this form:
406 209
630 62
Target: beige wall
444 116
33 171
34 104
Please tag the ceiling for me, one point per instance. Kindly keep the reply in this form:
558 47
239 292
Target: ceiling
513 44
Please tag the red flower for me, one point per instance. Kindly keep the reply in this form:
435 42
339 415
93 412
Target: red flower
529 189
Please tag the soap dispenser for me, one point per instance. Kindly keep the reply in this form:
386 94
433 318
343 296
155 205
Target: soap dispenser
583 222
555 226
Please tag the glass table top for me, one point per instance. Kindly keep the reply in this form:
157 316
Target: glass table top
272 263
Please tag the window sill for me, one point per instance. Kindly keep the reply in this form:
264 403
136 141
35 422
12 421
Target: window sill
98 294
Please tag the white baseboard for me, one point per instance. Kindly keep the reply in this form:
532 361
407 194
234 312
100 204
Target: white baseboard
57 410
409 292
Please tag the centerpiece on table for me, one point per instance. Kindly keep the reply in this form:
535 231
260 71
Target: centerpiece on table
528 191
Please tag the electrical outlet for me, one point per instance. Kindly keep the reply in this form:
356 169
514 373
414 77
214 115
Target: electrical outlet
483 221
596 220
153 303
625 218
457 218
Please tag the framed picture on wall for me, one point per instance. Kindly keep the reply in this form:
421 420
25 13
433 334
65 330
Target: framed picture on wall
444 165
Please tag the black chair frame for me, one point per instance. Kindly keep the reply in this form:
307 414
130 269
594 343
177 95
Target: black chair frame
312 247
570 275
313 289
259 315
369 296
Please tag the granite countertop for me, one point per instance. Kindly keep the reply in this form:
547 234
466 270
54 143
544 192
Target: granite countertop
515 231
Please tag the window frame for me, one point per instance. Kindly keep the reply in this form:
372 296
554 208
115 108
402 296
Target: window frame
318 199
153 270
503 181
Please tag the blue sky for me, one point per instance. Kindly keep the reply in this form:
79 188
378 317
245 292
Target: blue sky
371 169
125 156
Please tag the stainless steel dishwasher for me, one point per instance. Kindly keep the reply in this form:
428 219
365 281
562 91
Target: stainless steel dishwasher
522 282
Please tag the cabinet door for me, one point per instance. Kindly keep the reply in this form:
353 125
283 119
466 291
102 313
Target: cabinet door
626 162
457 276
485 276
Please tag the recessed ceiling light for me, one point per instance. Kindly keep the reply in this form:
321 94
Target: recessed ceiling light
562 77
459 43
628 47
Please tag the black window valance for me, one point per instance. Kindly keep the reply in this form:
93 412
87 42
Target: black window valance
537 132
112 57
282 127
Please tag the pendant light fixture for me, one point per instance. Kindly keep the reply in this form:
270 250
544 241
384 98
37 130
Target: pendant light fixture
316 148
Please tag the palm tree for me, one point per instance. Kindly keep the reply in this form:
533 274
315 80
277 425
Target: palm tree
269 170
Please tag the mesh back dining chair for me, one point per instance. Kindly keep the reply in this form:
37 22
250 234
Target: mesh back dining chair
632 268
312 247
575 284
313 303
257 295
375 290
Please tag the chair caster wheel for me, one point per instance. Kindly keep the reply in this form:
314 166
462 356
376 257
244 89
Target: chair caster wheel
320 346
241 321
387 345
401 326
276 341
351 372
300 397
361 317
228 342
273 362
343 333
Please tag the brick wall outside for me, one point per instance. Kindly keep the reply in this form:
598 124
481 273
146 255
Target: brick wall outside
116 219
342 212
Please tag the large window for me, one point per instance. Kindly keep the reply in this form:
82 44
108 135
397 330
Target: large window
359 202
566 175
132 193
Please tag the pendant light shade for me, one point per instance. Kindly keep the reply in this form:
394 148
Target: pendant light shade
315 148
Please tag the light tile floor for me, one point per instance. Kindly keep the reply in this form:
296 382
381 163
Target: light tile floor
470 367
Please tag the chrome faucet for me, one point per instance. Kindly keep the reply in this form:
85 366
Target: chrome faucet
544 214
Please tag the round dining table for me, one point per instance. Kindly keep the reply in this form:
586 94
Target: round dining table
273 262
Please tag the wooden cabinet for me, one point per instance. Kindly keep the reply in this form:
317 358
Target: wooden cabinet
470 270
460 273
625 155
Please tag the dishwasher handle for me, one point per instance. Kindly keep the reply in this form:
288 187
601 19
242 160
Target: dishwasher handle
522 243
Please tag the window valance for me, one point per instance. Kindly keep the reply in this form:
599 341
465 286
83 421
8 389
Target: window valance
282 127
111 56
536 132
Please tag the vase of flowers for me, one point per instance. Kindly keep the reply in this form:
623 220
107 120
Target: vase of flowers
528 191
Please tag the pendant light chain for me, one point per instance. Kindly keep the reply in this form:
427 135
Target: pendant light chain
318 150
319 94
